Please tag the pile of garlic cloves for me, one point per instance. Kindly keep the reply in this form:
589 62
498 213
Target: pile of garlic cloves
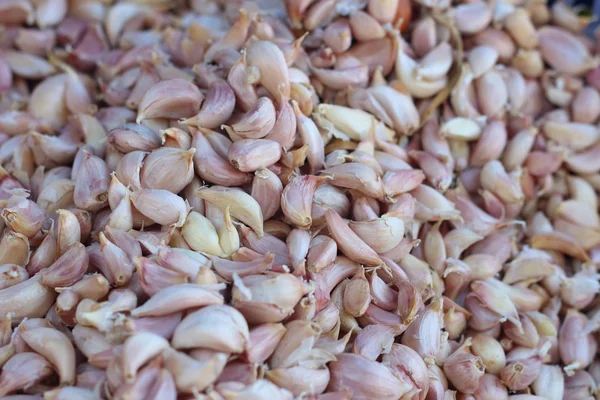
298 199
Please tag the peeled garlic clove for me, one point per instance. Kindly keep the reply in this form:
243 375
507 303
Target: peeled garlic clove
491 86
521 28
563 51
354 123
229 239
472 18
586 105
462 96
338 35
201 235
572 134
490 145
93 287
400 108
365 27
461 129
518 148
482 59
172 98
303 93
242 206
406 70
435 64
495 179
